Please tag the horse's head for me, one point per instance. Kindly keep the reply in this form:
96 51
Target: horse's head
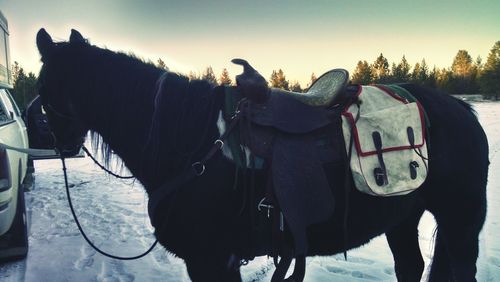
59 87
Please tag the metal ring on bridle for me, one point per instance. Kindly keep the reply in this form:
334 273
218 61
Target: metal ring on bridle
260 204
220 143
199 168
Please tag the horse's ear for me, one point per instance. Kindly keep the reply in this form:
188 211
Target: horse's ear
44 43
76 37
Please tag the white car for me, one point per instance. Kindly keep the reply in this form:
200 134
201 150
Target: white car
13 165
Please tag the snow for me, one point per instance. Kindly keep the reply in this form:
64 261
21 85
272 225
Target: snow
114 214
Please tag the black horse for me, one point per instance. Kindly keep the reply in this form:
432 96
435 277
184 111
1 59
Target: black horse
86 88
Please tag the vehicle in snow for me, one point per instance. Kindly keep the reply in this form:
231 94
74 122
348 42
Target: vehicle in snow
13 165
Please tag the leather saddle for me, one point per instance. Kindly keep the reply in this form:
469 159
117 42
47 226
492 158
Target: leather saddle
291 131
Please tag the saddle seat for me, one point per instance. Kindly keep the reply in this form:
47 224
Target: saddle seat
324 91
297 113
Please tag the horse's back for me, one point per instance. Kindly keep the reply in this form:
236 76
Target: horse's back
458 153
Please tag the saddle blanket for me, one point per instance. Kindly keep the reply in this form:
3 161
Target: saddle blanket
385 135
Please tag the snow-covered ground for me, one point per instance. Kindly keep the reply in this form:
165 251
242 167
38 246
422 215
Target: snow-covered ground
114 214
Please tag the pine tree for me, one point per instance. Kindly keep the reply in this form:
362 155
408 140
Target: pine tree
401 71
362 74
25 86
490 77
416 72
420 72
443 78
380 69
193 75
209 75
278 80
431 80
224 78
463 74
424 74
313 79
296 87
475 75
161 64
479 63
462 64
15 71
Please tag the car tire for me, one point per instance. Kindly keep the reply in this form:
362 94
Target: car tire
14 243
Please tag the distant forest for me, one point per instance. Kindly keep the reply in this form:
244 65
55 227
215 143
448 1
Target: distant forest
465 76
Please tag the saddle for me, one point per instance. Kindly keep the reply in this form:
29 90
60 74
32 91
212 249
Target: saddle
289 131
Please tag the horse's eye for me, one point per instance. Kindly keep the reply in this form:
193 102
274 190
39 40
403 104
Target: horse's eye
43 110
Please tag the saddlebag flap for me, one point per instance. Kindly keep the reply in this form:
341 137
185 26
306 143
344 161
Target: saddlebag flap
386 134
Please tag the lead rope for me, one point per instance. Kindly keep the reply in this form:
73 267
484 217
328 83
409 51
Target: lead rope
85 235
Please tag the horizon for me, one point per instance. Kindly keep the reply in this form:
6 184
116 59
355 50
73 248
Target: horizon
299 38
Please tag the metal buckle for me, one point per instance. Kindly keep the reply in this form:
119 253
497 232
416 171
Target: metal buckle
262 205
220 143
199 168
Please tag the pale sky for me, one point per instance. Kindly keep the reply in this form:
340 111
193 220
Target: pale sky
300 37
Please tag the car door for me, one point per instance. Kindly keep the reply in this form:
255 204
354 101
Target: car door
13 131
13 168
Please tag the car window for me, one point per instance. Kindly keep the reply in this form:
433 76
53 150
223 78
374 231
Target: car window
3 57
4 113
11 104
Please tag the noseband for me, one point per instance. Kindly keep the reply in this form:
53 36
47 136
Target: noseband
48 108
52 110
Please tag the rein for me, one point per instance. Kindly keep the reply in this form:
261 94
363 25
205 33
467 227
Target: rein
83 232
78 222
104 168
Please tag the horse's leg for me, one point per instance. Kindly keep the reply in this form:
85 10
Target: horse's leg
459 239
440 267
459 221
403 241
212 269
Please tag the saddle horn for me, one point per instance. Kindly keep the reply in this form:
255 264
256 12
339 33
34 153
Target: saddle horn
251 83
247 68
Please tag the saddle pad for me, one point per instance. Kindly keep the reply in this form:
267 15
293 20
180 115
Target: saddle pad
389 151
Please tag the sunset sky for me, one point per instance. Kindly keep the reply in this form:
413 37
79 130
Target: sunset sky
301 37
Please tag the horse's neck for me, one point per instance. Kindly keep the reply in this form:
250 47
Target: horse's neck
125 124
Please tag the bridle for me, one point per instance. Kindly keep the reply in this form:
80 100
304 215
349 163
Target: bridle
48 108
51 108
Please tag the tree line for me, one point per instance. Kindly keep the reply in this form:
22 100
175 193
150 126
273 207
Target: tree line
464 76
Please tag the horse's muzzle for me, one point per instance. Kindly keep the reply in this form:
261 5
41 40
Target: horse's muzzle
69 150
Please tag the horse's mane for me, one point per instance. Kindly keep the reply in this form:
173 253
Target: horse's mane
175 118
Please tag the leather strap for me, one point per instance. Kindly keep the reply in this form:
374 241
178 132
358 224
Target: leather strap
31 152
197 169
